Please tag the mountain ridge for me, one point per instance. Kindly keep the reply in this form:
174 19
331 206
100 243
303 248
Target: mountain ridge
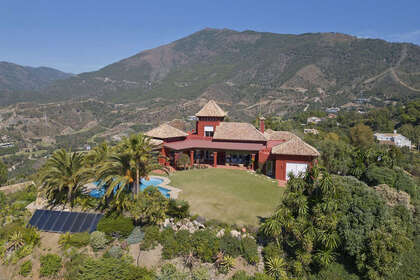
249 67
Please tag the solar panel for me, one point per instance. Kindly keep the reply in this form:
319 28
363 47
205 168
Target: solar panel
62 221
70 221
95 222
87 223
44 220
52 220
79 222
35 218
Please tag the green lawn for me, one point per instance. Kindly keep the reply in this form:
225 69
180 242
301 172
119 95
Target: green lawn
232 196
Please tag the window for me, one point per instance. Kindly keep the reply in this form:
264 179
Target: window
208 131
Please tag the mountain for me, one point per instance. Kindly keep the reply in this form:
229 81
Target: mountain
250 72
17 80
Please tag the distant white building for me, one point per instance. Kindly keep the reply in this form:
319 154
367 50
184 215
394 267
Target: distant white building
313 120
311 131
393 139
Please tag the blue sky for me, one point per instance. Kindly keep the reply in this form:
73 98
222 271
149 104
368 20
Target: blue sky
79 36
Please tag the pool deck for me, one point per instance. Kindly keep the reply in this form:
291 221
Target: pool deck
173 192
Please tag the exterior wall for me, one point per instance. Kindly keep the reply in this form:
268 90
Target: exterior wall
207 121
281 160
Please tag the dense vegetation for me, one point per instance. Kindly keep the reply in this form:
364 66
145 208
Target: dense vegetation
334 222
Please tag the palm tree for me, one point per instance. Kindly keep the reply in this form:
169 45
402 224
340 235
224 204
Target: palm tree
15 241
116 173
63 176
99 154
143 156
132 160
276 267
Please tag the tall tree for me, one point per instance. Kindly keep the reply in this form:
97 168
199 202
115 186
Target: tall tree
3 173
361 135
63 176
134 158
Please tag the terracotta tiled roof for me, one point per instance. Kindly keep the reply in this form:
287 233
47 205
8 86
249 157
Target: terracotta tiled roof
165 131
270 134
207 144
211 109
237 131
294 146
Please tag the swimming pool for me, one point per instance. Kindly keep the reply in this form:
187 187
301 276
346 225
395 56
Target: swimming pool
100 191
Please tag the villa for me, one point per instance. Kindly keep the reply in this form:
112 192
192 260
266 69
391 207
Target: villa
219 143
393 139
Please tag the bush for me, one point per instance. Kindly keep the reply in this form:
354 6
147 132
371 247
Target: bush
136 236
115 252
151 237
240 275
230 245
376 175
25 268
168 272
111 269
50 265
262 276
98 240
405 183
206 244
77 240
178 209
200 273
119 227
249 250
272 251
170 246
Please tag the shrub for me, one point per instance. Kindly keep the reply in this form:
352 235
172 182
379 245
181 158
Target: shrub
249 250
405 183
380 175
183 240
118 226
78 240
150 206
178 209
262 276
115 252
98 240
25 268
111 269
136 236
50 265
271 251
226 264
168 272
200 273
230 245
240 275
206 244
170 246
151 237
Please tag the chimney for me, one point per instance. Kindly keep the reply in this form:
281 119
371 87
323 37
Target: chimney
262 124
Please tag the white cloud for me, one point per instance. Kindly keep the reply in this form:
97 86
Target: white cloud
411 36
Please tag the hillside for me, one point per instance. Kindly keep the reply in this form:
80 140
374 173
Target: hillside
241 69
18 82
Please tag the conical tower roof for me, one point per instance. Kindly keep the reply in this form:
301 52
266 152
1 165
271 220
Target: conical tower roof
211 109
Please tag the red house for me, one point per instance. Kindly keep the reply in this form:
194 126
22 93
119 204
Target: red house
219 143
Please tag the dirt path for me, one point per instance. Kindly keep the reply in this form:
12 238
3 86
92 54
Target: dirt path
394 75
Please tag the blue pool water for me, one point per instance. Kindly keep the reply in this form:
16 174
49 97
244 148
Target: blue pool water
100 192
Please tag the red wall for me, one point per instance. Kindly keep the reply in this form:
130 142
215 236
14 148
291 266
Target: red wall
201 123
281 160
